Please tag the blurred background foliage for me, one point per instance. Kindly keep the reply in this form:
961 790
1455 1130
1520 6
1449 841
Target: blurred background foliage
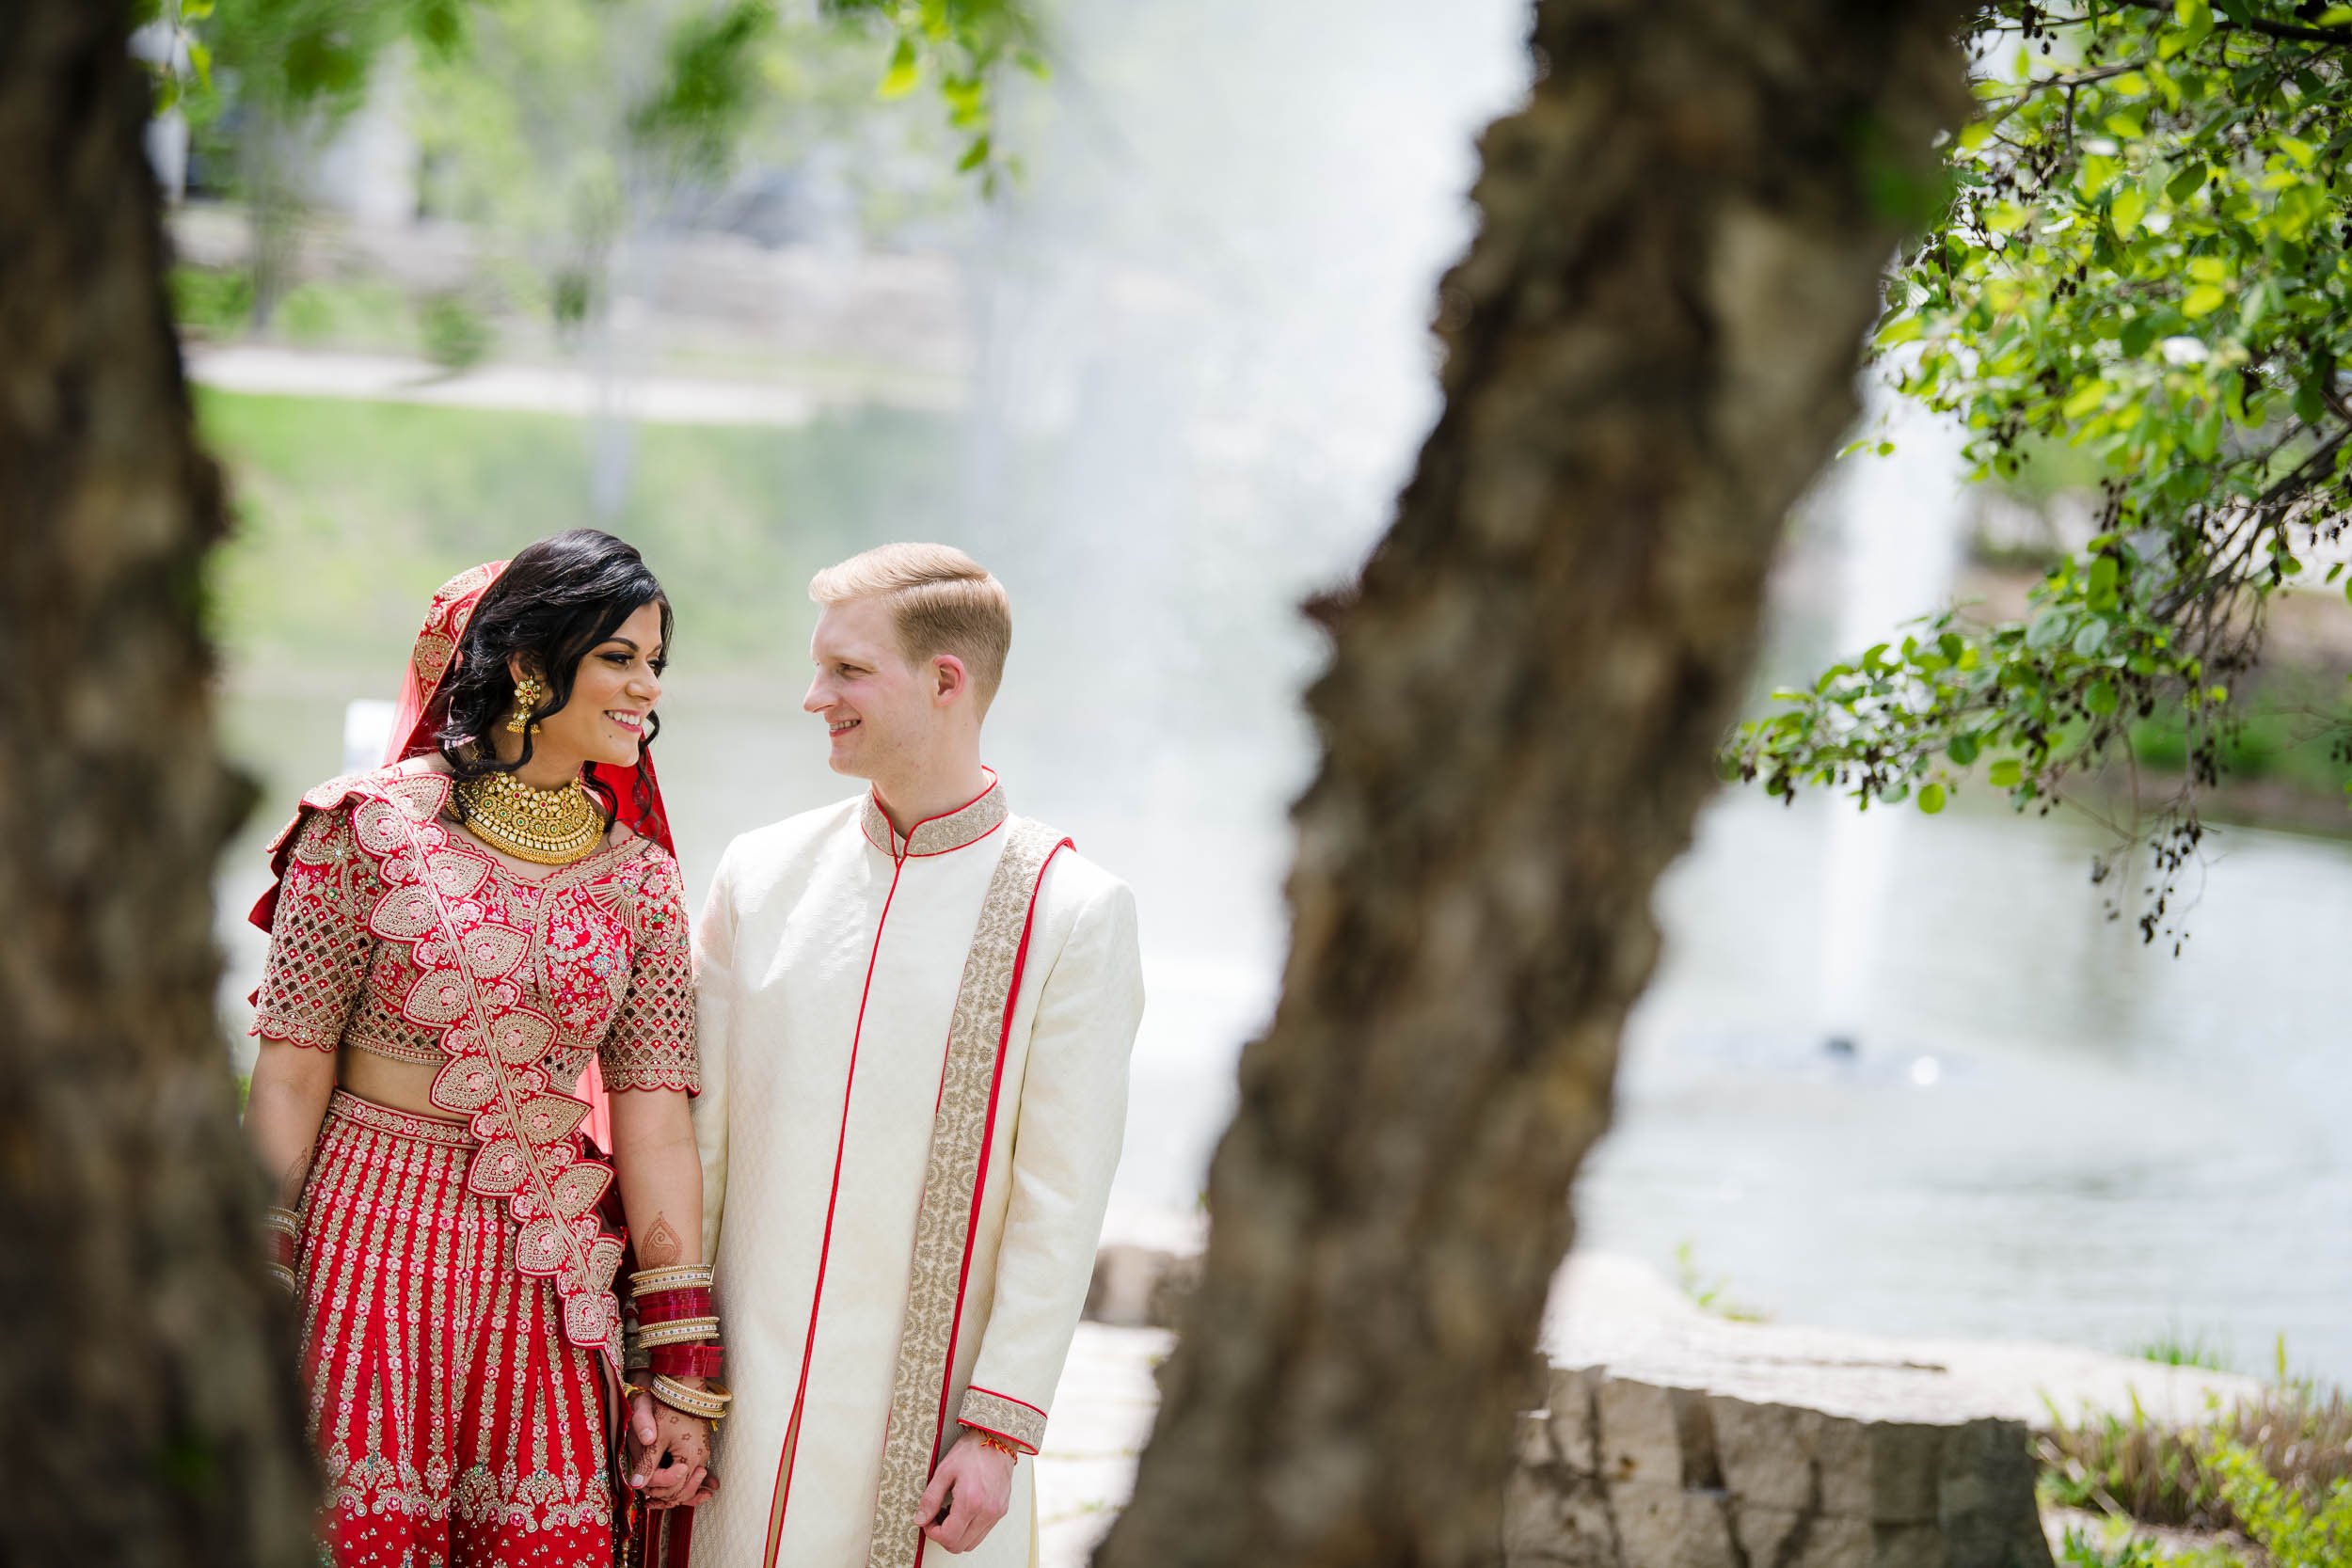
2138 293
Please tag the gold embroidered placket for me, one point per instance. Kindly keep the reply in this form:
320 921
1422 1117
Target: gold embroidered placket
943 1221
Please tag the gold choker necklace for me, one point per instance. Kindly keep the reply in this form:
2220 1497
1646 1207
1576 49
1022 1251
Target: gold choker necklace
546 827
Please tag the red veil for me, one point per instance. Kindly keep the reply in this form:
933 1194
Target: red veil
636 792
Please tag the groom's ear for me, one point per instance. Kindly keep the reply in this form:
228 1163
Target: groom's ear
949 678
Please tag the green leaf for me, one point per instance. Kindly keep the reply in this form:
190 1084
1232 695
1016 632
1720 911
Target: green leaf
904 71
2008 772
2129 208
2185 184
1961 748
2202 300
1930 795
1902 329
2100 698
2104 572
2086 397
2089 640
2138 333
977 154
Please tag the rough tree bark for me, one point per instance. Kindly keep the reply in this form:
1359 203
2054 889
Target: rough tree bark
150 1410
1651 348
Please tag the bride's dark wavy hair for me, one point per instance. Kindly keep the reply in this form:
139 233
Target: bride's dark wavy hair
555 602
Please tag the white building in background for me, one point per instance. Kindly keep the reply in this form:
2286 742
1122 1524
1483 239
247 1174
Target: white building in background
371 169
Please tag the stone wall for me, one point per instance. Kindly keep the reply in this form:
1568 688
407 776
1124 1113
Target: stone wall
1619 1473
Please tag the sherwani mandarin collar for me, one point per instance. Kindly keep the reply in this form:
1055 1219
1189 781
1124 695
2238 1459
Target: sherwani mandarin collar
936 835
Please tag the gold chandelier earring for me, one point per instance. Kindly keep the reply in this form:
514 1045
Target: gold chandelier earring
528 691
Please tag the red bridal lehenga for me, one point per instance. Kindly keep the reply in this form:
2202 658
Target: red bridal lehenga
454 1278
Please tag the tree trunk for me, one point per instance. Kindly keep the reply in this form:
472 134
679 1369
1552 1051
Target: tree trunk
150 1406
1651 348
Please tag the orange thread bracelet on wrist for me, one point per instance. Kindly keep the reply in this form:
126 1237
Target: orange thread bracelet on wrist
988 1439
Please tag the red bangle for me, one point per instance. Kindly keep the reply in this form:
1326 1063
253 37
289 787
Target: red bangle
669 1305
687 1361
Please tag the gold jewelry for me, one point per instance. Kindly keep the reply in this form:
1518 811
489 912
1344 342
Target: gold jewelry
674 1276
546 827
285 1222
527 694
678 1331
283 1276
709 1402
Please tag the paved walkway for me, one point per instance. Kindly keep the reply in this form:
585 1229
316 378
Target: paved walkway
1102 1414
524 389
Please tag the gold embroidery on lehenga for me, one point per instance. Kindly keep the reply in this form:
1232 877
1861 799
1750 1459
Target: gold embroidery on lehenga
943 1225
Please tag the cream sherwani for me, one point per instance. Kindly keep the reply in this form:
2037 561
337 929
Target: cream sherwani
915 1078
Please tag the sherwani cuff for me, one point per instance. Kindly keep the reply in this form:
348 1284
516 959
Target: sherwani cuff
1016 1421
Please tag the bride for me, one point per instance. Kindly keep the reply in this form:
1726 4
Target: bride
453 938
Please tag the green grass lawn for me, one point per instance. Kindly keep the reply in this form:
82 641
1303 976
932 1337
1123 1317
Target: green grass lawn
349 514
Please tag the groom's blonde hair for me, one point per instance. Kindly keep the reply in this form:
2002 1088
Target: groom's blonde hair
942 601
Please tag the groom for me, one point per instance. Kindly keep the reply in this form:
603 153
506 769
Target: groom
915 1014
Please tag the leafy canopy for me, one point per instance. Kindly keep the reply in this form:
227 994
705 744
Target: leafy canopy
2146 254
319 54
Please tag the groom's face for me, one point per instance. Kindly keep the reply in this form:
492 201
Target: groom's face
878 710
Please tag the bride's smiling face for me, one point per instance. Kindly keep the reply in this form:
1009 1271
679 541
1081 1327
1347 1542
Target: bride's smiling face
614 688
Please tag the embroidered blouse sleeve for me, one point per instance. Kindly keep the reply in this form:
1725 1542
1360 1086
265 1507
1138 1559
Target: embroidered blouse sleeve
319 942
651 1044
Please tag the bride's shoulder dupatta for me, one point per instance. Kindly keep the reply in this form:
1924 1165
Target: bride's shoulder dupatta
470 989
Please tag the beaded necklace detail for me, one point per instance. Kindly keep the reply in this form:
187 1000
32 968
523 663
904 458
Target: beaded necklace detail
546 827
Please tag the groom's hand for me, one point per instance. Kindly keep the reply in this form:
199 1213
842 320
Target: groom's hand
973 1485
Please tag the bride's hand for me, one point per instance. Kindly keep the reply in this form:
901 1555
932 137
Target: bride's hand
669 1454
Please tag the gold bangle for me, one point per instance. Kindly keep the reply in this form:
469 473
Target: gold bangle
707 1403
675 1276
678 1331
284 1221
283 1275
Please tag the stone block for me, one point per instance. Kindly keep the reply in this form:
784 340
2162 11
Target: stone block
1769 1453
1908 1546
1571 1401
1655 1436
1830 1542
1984 1499
1886 1472
1765 1534
1671 1526
1140 1286
1534 1446
1553 1518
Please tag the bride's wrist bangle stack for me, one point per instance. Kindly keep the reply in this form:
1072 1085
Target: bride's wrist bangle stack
280 1230
676 1337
